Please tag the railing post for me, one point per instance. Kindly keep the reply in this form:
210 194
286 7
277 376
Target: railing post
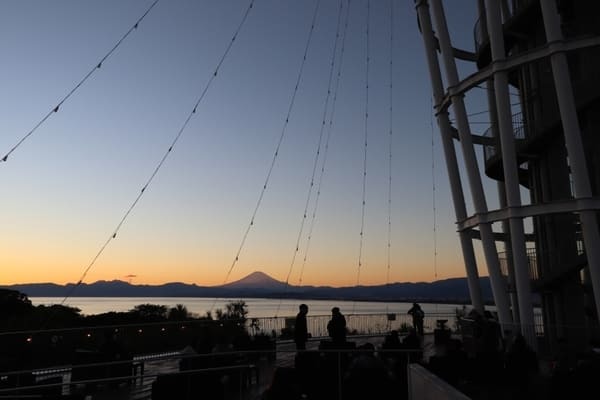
339 364
240 383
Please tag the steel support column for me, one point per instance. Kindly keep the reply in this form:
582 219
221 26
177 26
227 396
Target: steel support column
473 174
511 175
450 156
514 302
573 141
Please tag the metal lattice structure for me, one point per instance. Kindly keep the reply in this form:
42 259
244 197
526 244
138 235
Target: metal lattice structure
547 53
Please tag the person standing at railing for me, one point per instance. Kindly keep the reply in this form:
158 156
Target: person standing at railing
301 328
336 327
417 316
521 367
112 351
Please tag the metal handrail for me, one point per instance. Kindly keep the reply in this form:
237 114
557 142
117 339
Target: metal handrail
156 339
249 372
532 260
264 324
489 151
243 365
519 133
531 263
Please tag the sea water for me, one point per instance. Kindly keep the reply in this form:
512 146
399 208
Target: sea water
257 307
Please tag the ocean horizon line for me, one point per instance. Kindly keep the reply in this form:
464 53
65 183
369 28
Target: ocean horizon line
257 307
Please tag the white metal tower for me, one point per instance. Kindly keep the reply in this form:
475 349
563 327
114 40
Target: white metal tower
548 53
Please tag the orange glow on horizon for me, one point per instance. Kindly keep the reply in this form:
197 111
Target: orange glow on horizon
141 260
323 275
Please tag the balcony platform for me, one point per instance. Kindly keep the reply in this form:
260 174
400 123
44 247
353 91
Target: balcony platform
146 372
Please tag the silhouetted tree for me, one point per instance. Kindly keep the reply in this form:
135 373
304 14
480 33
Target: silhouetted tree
235 310
150 312
233 323
13 302
15 310
57 316
178 313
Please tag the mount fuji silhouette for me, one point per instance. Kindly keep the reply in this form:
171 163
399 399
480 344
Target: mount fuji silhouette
256 280
260 285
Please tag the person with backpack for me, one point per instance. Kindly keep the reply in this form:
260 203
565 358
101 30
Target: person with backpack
417 316
336 327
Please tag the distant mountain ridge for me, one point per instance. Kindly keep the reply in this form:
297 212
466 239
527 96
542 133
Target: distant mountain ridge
259 284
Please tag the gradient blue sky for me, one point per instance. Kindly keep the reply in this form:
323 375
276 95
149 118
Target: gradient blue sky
65 189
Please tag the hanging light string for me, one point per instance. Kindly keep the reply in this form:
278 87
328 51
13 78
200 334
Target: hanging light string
96 67
165 155
364 180
390 143
327 139
433 194
317 155
275 155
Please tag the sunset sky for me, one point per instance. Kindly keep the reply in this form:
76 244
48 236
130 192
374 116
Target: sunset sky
65 189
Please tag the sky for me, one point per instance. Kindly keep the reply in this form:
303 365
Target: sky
65 189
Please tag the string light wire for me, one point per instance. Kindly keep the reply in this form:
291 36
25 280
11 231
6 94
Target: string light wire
317 154
96 67
113 235
276 153
390 152
433 197
433 193
364 180
327 140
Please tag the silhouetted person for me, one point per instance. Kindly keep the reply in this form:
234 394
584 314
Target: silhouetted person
417 316
492 333
521 366
300 328
412 342
284 385
488 355
451 365
367 377
391 341
113 351
336 327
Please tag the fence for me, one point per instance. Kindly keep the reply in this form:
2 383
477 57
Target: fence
531 263
232 375
554 257
359 324
136 376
